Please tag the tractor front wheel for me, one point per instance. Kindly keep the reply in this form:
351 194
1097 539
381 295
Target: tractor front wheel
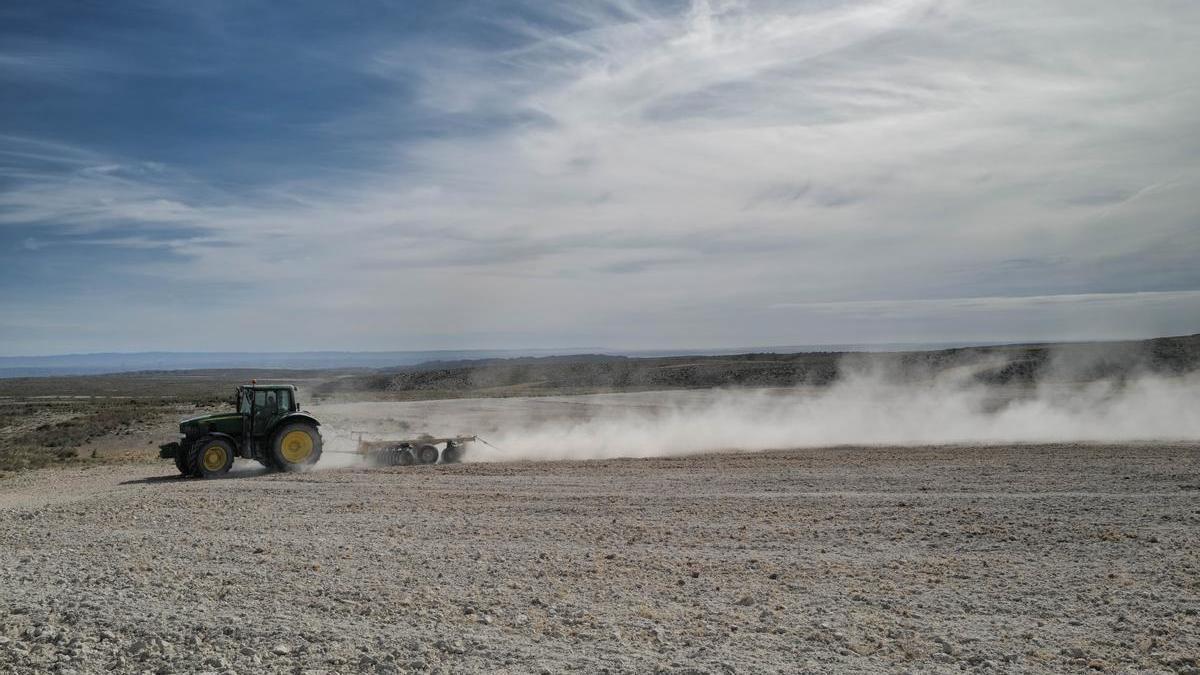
181 460
210 457
296 447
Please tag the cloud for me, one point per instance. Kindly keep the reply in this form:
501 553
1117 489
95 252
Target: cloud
646 175
51 64
994 303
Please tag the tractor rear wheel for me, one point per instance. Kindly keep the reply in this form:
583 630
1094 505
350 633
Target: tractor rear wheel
296 447
209 457
427 454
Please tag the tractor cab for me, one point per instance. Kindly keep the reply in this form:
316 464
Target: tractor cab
262 405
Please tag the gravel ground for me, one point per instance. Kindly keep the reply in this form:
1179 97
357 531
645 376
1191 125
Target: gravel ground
1063 558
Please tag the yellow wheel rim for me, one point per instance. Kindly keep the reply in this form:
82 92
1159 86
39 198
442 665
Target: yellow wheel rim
214 457
296 446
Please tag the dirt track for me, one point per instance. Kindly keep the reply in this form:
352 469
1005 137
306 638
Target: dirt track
934 559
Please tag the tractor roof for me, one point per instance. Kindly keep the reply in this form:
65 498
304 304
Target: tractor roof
266 386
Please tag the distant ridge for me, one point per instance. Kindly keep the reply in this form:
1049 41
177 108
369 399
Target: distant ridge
118 362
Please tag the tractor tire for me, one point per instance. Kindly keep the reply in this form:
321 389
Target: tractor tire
452 454
210 457
296 447
427 454
181 460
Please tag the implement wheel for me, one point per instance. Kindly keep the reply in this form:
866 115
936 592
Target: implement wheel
452 454
296 447
427 454
209 457
400 457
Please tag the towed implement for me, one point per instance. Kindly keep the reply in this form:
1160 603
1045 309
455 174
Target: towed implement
420 450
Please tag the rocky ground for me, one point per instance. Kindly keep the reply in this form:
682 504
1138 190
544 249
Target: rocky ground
1064 558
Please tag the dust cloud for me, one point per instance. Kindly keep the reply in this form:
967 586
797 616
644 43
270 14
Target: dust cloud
870 403
867 407
339 449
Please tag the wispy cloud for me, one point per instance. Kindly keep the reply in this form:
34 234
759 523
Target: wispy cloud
640 174
53 64
994 303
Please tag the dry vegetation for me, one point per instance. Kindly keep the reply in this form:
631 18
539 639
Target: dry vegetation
40 432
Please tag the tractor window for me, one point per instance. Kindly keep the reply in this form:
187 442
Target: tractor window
244 402
271 401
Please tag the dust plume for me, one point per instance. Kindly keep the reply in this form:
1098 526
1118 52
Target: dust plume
1077 395
871 405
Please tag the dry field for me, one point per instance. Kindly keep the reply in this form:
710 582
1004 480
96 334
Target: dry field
1057 558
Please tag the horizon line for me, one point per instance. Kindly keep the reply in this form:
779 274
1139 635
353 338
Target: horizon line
581 351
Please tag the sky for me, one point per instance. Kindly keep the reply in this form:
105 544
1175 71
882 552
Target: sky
306 175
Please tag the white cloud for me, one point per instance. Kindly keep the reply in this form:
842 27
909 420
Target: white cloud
668 178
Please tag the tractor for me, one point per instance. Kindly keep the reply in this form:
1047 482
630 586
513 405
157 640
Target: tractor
267 426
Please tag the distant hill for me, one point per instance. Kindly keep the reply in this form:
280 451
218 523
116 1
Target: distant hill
95 364
102 363
584 373
1006 364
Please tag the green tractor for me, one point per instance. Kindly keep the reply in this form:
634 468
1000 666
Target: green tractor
268 427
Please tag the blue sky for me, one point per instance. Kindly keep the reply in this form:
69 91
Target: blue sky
398 175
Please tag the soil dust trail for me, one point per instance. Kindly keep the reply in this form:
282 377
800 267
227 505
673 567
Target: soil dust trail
863 408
